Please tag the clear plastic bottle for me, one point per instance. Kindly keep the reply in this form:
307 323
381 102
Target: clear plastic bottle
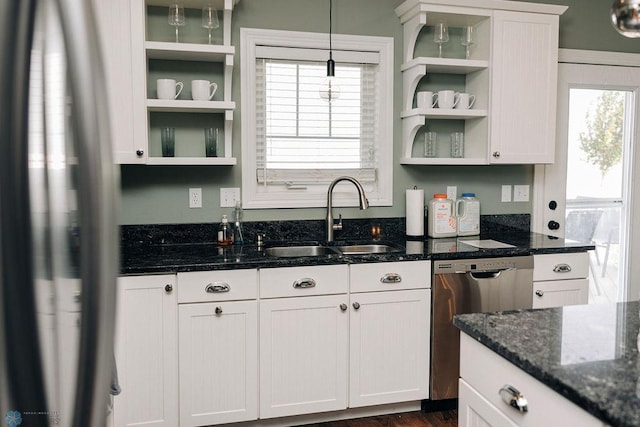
468 215
237 229
225 232
441 218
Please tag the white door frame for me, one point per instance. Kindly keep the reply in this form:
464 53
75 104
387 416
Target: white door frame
539 205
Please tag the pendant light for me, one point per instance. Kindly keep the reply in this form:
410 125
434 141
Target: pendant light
625 17
329 89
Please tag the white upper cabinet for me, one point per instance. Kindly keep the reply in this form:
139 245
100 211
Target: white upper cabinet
525 74
511 69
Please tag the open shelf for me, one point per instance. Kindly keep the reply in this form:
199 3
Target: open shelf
445 65
442 161
445 114
221 161
180 105
188 51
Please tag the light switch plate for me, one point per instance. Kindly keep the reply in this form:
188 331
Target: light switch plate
452 192
506 193
520 193
229 197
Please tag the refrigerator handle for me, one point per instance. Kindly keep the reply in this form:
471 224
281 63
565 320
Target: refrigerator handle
98 183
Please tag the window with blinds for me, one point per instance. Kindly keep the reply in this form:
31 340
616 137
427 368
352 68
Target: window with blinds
298 131
294 142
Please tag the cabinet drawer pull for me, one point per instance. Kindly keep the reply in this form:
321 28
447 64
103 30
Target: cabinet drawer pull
512 397
218 310
391 278
562 268
217 287
540 292
356 305
343 307
306 282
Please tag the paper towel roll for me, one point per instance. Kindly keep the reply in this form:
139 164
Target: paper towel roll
415 212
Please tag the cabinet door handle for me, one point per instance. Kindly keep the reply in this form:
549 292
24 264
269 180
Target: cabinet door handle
391 278
139 153
343 307
217 287
168 288
356 305
512 397
562 268
540 292
306 282
218 310
496 154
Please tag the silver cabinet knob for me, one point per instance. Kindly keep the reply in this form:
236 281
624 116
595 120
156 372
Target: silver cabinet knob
168 288
139 153
496 154
343 307
512 397
540 292
218 310
356 305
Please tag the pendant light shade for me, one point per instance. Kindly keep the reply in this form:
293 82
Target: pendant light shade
329 89
625 17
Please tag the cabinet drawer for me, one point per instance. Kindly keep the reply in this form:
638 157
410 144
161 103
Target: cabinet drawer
303 281
488 372
561 266
388 276
205 286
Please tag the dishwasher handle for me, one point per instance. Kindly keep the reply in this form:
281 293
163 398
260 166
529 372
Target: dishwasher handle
490 274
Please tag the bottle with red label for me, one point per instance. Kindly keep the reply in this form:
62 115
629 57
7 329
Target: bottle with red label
441 217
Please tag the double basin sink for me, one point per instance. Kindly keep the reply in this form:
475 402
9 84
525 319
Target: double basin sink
322 250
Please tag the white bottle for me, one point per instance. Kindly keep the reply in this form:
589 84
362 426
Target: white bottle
468 215
441 218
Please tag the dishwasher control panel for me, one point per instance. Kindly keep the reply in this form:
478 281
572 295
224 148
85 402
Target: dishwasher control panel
482 264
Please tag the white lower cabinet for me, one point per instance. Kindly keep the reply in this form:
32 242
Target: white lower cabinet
560 279
218 347
389 333
147 351
303 340
483 373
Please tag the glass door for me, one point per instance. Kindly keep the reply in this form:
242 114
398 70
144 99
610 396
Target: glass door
598 147
587 194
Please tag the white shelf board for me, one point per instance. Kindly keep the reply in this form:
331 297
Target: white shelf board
442 161
447 65
220 161
445 114
188 106
188 51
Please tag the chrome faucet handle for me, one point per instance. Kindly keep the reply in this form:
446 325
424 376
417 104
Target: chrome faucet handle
338 226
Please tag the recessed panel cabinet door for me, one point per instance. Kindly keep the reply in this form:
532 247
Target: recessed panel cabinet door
389 359
303 355
558 293
147 351
218 362
523 88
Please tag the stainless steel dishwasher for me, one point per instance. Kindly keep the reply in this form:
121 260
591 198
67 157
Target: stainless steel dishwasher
470 286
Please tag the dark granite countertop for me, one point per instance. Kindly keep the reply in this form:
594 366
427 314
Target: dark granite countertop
588 353
181 257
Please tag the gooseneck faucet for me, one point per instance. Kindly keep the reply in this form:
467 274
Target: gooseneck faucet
364 204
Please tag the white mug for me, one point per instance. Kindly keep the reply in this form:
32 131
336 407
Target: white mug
166 88
203 90
465 101
447 99
426 99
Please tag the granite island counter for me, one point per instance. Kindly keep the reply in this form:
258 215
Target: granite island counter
587 354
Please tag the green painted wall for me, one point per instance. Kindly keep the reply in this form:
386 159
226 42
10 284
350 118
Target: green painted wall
156 195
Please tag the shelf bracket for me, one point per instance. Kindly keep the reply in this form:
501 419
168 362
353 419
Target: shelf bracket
410 126
410 79
411 30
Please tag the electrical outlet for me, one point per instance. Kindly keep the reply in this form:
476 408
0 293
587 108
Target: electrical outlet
452 192
506 193
229 197
520 193
195 197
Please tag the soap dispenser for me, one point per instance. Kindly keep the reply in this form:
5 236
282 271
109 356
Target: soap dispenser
225 233
237 229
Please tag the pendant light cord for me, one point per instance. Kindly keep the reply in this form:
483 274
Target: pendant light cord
330 28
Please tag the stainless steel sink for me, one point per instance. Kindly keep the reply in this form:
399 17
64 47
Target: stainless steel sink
367 249
300 251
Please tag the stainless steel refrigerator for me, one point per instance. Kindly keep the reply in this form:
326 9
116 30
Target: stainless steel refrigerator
58 228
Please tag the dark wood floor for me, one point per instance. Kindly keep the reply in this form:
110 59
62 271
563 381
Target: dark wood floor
405 419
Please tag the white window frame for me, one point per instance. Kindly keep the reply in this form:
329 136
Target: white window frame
314 195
